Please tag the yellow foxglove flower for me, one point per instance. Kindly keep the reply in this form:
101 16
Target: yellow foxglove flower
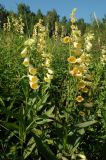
32 70
46 79
77 45
85 57
67 39
79 99
81 84
24 52
33 79
79 60
78 75
73 20
76 33
85 90
47 62
72 59
34 85
88 46
72 26
50 71
82 157
103 58
76 72
83 68
49 76
29 42
90 36
26 62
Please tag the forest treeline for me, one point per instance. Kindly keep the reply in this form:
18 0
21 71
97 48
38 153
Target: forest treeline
51 18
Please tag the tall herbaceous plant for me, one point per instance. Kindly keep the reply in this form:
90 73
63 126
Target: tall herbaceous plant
62 86
79 62
78 92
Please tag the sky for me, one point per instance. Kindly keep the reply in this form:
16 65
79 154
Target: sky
85 8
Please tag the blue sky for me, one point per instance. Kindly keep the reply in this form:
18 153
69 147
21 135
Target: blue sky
63 7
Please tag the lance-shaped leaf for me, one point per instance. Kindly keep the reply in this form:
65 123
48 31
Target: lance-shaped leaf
86 124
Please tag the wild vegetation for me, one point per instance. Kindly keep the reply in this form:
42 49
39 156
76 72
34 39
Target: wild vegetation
52 86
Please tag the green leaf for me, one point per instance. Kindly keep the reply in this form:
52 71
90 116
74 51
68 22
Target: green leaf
10 106
30 146
1 102
43 121
9 125
38 132
81 131
104 114
30 126
76 144
49 112
41 102
86 124
44 149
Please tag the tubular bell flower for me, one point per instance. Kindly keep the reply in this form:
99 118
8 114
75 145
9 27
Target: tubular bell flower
24 52
77 45
67 39
72 59
33 85
72 26
48 78
76 72
85 90
29 42
32 70
81 84
26 62
79 99
88 46
50 71
33 79
47 62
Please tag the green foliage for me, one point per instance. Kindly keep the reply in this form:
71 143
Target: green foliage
45 123
10 70
3 16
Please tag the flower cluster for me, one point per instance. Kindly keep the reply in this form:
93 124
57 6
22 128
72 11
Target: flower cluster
38 42
41 32
14 24
18 25
79 59
103 55
56 31
88 38
32 71
7 26
35 32
63 31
